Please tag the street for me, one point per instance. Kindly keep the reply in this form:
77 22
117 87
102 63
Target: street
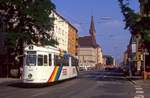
90 84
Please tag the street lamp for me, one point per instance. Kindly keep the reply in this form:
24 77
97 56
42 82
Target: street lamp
145 53
130 70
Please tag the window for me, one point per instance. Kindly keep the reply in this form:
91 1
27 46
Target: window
65 62
50 60
45 60
57 61
40 60
74 61
30 58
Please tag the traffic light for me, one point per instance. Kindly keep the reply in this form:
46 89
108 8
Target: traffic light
139 56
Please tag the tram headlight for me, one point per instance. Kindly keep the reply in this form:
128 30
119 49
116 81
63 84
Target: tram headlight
29 76
31 47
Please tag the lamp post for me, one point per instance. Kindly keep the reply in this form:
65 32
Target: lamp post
145 73
130 71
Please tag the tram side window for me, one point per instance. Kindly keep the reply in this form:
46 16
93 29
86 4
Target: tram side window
50 59
74 61
40 60
66 61
45 60
57 60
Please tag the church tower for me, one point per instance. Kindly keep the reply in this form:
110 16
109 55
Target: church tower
92 30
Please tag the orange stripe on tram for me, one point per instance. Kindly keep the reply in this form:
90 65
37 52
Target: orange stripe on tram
53 75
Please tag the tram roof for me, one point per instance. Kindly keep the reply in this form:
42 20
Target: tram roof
42 48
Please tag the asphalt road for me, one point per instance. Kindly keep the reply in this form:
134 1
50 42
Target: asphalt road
91 84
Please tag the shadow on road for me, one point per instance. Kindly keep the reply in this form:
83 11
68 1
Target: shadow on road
104 76
37 85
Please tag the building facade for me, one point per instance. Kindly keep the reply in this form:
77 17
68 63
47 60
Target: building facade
144 8
60 31
89 52
145 14
72 40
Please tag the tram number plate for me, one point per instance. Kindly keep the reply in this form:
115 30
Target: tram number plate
64 71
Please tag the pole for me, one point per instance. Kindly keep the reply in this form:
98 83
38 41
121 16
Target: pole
130 72
7 70
144 61
144 72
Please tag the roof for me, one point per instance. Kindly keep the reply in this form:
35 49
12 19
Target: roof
92 27
87 41
58 14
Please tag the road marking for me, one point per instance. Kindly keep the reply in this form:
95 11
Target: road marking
139 92
139 96
133 82
139 88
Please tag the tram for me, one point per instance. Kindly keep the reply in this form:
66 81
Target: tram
47 64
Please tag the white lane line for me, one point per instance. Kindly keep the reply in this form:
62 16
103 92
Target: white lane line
139 96
139 92
139 88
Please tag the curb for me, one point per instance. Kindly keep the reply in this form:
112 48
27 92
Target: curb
6 81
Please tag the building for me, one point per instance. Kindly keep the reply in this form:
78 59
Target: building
72 40
133 57
104 60
89 52
125 58
135 51
60 31
145 14
144 8
65 34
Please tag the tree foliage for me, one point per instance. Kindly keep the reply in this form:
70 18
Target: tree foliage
130 17
134 21
25 19
25 22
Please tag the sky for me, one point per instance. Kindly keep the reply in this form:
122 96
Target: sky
109 25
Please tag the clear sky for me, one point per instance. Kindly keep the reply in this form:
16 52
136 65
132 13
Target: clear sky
110 33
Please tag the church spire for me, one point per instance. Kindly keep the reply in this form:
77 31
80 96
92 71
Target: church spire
92 29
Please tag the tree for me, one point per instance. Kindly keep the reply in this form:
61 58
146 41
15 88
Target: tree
138 23
134 21
25 22
27 17
130 17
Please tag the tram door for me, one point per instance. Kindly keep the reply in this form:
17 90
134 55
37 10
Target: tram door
43 65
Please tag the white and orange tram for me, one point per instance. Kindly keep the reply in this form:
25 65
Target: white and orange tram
47 64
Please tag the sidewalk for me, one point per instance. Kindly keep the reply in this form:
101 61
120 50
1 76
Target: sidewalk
138 80
8 80
133 79
143 82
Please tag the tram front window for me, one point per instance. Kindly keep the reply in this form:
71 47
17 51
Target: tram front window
40 60
30 60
